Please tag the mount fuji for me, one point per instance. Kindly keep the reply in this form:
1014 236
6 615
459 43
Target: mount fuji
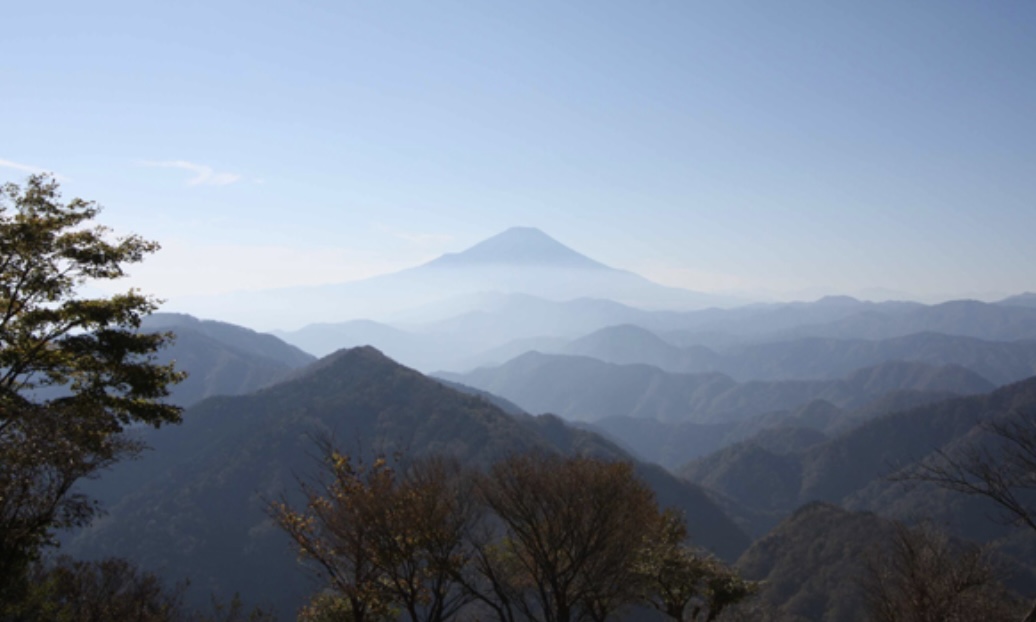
520 260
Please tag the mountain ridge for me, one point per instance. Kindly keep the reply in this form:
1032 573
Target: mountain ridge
194 505
587 389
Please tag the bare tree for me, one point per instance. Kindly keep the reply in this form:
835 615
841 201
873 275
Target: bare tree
924 576
573 529
999 465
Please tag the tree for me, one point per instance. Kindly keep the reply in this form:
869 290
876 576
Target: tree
685 584
110 589
572 531
539 537
74 370
387 540
923 576
67 590
998 464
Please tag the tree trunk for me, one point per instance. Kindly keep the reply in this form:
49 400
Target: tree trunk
1031 616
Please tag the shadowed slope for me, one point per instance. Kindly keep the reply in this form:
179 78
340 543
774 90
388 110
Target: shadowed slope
194 505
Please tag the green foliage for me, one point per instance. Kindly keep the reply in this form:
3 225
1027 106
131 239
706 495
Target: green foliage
74 371
685 584
112 589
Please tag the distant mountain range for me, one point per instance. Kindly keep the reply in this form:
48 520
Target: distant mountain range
1001 362
826 338
586 389
221 358
674 443
851 468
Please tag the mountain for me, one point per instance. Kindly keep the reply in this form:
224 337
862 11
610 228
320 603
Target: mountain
673 444
827 338
667 443
517 247
810 565
518 260
194 506
966 318
497 325
240 338
851 468
847 318
774 321
527 261
1027 299
323 339
1001 362
631 344
586 389
221 358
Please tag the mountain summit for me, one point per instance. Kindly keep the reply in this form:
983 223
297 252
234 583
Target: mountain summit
520 260
519 246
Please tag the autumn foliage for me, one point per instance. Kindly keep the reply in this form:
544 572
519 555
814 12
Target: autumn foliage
539 537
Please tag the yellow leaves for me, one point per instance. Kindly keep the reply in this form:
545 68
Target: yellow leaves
382 536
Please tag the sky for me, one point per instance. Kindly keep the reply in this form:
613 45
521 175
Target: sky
776 150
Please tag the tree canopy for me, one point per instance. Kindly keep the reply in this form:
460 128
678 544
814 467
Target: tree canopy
74 370
539 537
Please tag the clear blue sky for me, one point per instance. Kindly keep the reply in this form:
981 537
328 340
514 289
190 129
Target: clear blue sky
788 147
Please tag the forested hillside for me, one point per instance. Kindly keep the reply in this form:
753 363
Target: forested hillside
195 504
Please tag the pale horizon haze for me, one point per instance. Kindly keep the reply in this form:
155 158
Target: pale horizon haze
771 150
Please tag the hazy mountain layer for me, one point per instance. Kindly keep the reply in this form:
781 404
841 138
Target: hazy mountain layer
810 564
462 341
810 357
1027 299
823 339
967 318
586 389
221 358
847 318
672 443
851 468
